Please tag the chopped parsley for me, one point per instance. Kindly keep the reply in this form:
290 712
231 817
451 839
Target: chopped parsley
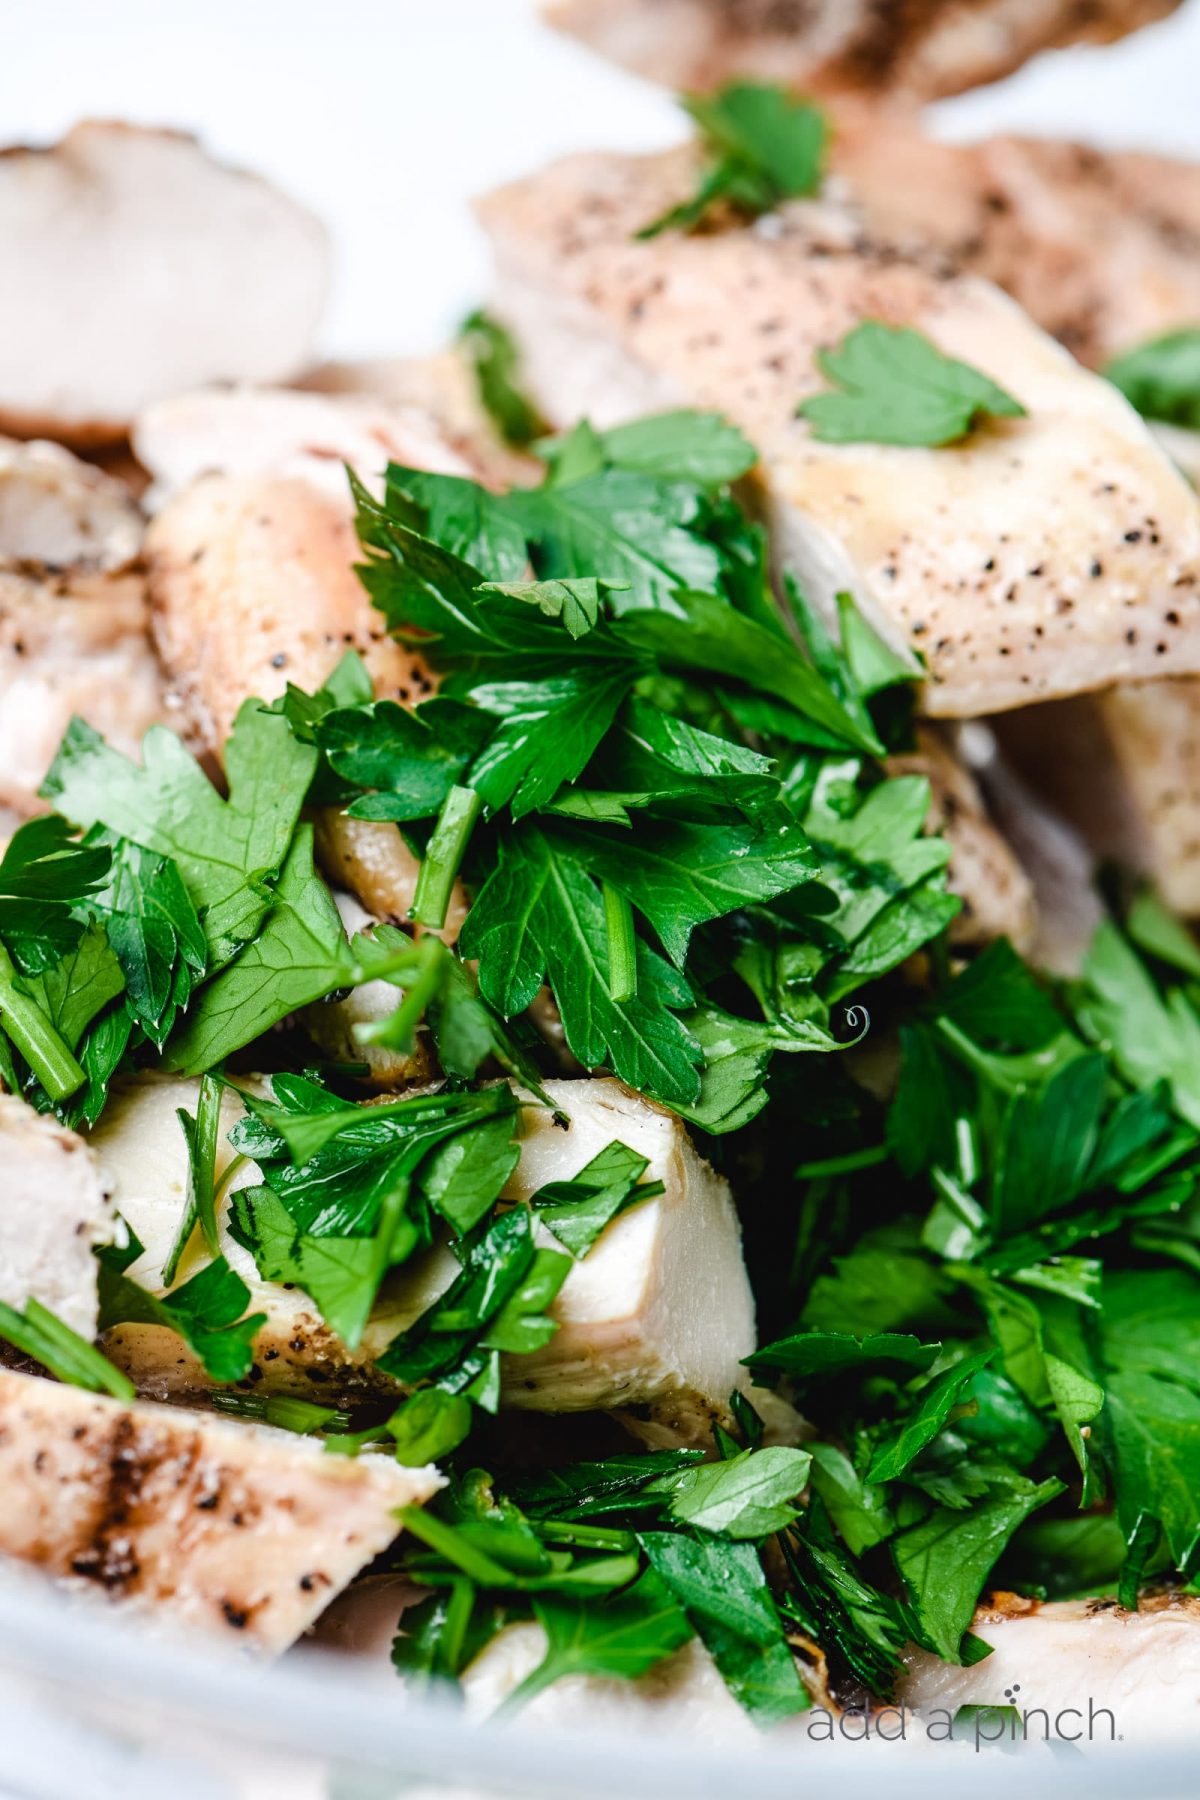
1162 378
761 145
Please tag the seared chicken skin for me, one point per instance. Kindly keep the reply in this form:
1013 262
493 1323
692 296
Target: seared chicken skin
922 49
135 267
194 1522
1043 556
656 1316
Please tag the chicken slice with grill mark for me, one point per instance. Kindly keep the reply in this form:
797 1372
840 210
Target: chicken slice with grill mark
192 1522
55 1209
918 48
657 1316
191 272
1043 556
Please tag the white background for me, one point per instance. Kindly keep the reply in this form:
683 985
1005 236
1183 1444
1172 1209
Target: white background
386 115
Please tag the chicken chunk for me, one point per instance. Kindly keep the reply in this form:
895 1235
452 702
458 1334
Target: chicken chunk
58 512
658 1315
277 431
983 871
371 858
193 1522
188 271
443 385
55 1209
1124 767
71 644
1099 247
922 50
1136 1676
252 586
1043 556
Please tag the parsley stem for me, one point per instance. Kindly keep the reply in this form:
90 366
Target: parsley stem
622 945
844 1165
443 856
399 1030
43 1047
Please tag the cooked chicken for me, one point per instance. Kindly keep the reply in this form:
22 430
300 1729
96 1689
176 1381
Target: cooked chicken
922 49
54 1210
370 857
252 586
1104 1673
1181 445
280 432
1053 856
444 386
135 267
996 893
59 512
684 1692
1124 767
71 643
657 1315
194 1522
1046 555
1101 248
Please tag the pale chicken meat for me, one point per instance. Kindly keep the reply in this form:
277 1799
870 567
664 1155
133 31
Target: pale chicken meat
72 644
1124 767
997 895
1137 1672
191 1522
74 617
921 49
1043 556
55 1211
446 387
189 272
657 1316
60 512
252 587
252 431
1101 247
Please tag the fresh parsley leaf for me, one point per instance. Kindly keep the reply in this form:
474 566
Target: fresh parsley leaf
299 955
208 1312
895 387
625 1637
749 1495
154 932
578 1210
497 373
684 446
1162 377
225 850
763 146
808 1355
898 1445
722 1588
540 914
45 874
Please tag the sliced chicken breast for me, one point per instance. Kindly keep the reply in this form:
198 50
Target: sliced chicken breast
255 431
55 1209
1124 767
1101 248
191 272
193 1522
657 1316
996 893
922 49
1100 1674
59 512
72 643
252 586
1043 556
443 385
